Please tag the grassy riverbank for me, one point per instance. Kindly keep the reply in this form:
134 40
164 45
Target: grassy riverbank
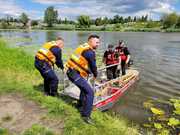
18 75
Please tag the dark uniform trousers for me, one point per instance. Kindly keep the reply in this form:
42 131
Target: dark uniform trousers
86 92
111 72
50 78
123 67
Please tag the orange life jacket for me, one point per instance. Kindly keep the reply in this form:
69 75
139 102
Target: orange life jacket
78 62
45 54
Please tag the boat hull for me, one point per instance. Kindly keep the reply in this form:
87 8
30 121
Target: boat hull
112 99
106 94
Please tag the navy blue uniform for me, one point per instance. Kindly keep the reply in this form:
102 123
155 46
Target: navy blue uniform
50 78
87 93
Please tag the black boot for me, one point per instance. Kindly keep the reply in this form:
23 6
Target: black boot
88 120
79 106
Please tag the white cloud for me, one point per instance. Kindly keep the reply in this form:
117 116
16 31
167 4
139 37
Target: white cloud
94 12
55 1
94 8
164 8
34 14
9 7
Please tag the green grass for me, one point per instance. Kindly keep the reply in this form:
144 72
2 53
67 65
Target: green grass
3 131
38 130
19 75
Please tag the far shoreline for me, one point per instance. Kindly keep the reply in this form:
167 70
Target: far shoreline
95 30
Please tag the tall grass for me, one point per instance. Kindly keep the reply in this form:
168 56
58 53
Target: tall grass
17 74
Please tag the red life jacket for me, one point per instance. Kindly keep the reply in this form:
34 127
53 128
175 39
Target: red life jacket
110 59
121 53
123 56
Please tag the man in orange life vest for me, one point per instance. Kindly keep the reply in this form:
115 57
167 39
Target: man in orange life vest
81 63
124 55
110 59
45 59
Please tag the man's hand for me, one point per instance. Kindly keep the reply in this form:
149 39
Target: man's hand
119 67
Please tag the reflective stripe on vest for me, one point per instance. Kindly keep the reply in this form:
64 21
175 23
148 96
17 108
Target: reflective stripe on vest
45 54
78 62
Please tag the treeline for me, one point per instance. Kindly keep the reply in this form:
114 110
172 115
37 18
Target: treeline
51 20
171 21
85 20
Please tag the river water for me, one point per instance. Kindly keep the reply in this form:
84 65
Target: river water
156 56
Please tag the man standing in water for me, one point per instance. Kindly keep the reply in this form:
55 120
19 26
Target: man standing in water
45 59
124 55
79 66
110 59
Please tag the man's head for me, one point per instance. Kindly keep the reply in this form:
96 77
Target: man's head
110 47
94 41
60 42
121 43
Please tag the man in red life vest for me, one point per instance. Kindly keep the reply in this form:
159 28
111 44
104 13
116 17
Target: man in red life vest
124 55
110 59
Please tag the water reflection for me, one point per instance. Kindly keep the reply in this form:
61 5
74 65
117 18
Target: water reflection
51 35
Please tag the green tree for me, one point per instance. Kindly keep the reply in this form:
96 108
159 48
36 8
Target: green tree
59 21
84 21
146 18
178 22
24 19
105 21
129 19
116 19
34 22
142 18
65 21
11 19
50 16
98 21
121 19
7 19
169 20
125 20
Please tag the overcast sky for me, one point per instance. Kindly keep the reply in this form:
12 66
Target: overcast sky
71 9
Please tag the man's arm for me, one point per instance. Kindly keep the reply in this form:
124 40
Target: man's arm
90 57
58 54
127 53
128 58
104 57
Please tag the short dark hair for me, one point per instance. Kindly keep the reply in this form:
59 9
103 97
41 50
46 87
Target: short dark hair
59 38
110 46
93 36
